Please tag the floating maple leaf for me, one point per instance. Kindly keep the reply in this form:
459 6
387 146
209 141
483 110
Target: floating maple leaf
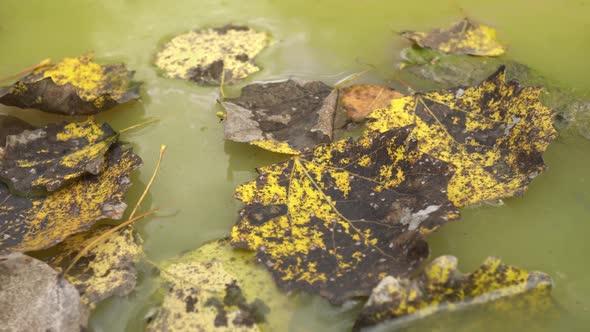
28 224
336 220
212 56
48 157
215 288
465 37
73 86
494 133
441 287
286 117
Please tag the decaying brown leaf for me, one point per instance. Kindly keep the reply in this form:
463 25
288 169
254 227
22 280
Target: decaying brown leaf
28 224
361 99
33 297
465 37
48 157
107 269
338 219
286 117
442 287
74 86
215 288
494 133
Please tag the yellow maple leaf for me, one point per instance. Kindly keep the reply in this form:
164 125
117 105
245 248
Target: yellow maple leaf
494 134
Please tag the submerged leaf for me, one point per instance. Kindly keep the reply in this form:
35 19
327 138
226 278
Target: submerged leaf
361 99
215 288
286 117
10 125
465 37
28 224
48 157
213 56
74 86
107 269
441 287
494 133
34 297
336 220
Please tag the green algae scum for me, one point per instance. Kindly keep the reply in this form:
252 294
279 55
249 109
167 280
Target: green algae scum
545 229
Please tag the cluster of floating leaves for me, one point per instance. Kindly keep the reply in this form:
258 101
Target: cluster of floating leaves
63 178
343 219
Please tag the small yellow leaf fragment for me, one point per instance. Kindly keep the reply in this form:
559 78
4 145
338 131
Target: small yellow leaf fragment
108 268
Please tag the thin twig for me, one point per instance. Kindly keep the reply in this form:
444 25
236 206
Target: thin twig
135 126
149 185
131 219
351 78
222 83
25 71
104 236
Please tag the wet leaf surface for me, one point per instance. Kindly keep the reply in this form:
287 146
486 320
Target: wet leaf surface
10 125
108 269
465 37
74 86
47 158
286 117
33 297
361 99
427 70
210 56
28 224
441 287
216 288
336 220
494 133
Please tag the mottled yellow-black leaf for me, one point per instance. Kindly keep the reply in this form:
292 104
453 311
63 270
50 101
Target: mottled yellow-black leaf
28 224
47 158
286 117
465 37
336 220
213 56
361 99
34 297
442 287
10 125
216 288
494 134
74 86
107 269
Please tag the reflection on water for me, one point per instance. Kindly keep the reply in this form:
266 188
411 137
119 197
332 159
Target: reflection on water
323 39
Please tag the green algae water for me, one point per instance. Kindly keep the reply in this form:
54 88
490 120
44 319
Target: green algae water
544 230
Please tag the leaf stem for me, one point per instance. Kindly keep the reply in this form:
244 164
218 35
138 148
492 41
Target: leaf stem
141 124
25 71
149 185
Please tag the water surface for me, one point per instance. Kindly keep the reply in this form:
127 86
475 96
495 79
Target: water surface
323 39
